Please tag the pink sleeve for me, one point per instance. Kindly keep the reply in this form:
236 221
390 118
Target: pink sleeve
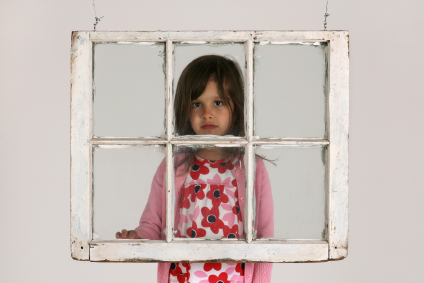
150 226
262 273
264 202
264 218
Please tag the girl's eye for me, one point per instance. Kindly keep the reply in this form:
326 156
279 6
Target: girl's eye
218 103
196 104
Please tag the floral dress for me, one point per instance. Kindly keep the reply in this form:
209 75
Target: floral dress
209 209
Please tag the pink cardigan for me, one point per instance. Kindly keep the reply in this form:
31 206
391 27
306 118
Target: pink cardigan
153 222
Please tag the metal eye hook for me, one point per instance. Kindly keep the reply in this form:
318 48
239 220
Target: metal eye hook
95 16
325 17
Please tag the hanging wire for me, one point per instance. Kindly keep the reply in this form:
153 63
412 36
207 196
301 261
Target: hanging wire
95 16
325 16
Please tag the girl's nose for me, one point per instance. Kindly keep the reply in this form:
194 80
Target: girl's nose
207 113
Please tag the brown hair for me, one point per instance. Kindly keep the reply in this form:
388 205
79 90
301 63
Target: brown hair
192 83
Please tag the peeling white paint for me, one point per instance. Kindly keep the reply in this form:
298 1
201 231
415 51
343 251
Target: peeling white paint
272 250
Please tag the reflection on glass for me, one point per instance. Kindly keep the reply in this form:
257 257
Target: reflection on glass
298 191
209 192
122 181
129 93
290 90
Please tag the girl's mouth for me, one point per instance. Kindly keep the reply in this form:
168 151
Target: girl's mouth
206 127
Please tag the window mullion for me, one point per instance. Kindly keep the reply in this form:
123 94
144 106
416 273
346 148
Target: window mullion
169 133
249 148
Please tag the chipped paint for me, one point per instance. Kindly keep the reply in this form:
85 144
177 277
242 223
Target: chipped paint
82 140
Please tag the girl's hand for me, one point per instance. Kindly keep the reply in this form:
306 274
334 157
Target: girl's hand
124 234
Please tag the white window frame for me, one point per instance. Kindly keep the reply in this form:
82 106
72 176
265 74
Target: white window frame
334 247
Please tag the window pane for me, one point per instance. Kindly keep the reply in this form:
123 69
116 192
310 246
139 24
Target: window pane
290 90
210 195
129 93
185 53
122 181
298 192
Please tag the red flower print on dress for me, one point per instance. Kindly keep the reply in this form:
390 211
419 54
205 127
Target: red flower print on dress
195 232
198 168
211 219
222 278
231 233
209 266
234 183
175 269
185 202
198 192
217 195
236 211
188 267
240 268
222 165
182 278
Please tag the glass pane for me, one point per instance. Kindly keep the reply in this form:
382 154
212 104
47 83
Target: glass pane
122 181
298 192
129 94
197 76
209 192
290 90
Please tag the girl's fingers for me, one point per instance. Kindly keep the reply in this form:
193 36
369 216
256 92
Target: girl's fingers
124 234
131 234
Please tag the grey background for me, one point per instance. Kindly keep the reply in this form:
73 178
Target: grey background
289 90
297 184
386 129
122 181
129 99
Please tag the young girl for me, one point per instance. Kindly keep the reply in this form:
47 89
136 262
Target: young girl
209 181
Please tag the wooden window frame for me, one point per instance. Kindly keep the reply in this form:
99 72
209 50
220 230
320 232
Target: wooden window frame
334 247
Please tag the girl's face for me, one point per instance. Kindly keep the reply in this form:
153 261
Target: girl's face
209 114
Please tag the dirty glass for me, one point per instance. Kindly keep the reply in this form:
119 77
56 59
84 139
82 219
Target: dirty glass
290 90
129 89
209 200
122 179
298 192
184 53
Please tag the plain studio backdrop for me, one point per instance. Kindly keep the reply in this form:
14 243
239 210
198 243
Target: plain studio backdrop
386 176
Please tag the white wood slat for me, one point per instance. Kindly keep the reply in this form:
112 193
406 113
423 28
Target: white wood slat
169 104
208 36
219 251
229 141
292 142
81 132
338 149
127 141
249 160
